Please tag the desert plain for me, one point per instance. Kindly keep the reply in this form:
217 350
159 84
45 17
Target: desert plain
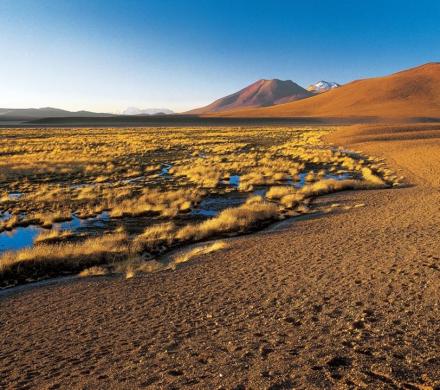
324 275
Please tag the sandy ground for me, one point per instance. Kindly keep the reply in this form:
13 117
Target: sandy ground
347 300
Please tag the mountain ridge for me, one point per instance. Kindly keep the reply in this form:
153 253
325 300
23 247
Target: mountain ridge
146 111
45 112
413 92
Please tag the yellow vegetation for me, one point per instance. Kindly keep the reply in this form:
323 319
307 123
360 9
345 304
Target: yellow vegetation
198 251
52 235
94 271
230 220
163 174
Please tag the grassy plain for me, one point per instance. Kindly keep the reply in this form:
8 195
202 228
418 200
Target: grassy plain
153 183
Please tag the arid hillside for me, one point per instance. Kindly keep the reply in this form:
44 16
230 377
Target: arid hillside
413 93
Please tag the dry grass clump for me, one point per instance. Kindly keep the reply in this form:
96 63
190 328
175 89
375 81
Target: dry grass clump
46 220
165 203
198 172
268 175
292 200
230 220
150 266
277 192
49 259
52 235
10 223
327 186
288 197
94 271
198 251
370 177
155 237
136 265
133 267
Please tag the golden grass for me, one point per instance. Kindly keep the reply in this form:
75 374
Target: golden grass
165 203
50 258
94 271
52 235
155 237
83 172
292 200
278 192
198 251
230 220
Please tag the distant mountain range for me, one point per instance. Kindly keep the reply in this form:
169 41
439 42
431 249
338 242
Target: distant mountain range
262 93
411 93
16 114
146 111
27 114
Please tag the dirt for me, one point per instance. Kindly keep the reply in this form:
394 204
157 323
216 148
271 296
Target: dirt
348 299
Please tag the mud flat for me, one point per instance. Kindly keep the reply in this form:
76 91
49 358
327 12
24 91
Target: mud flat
349 299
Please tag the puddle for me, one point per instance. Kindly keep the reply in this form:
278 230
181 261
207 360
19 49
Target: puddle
15 195
301 182
5 216
340 176
23 236
234 180
77 223
204 212
164 171
212 205
260 191
19 238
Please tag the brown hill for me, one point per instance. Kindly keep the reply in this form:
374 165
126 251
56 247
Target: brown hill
411 93
262 93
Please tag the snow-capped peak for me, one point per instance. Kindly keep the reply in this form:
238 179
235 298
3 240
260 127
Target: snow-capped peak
322 86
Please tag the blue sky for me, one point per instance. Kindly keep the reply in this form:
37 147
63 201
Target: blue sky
108 55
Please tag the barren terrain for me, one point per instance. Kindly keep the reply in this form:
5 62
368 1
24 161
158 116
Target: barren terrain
348 299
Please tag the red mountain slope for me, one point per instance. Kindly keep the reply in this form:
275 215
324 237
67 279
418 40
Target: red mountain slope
262 93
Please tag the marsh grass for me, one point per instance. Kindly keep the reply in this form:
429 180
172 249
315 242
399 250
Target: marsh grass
83 172
53 235
230 220
53 259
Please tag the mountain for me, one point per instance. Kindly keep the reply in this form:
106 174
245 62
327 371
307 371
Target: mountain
262 93
412 93
146 111
45 112
322 86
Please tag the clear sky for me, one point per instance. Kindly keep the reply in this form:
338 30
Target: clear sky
108 55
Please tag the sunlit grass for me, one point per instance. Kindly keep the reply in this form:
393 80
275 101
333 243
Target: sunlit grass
52 175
